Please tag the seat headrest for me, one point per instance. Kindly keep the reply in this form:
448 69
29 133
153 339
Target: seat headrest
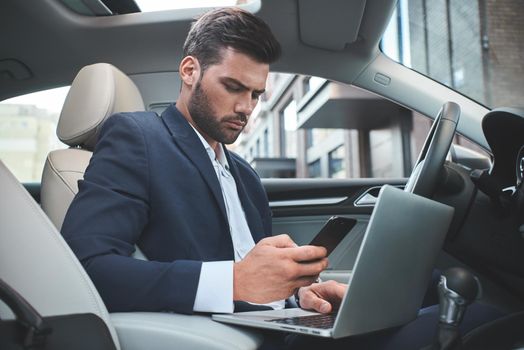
98 91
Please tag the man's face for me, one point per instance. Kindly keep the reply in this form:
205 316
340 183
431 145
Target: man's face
226 94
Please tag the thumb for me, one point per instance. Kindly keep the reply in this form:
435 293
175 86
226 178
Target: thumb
322 306
310 300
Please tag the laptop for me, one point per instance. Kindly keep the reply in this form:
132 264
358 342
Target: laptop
389 278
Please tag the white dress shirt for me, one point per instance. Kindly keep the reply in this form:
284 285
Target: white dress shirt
215 286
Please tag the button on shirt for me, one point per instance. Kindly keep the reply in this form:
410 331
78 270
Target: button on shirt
215 286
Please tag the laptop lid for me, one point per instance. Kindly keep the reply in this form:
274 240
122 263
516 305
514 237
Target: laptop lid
394 263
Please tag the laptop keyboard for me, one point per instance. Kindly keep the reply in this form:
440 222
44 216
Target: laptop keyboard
324 321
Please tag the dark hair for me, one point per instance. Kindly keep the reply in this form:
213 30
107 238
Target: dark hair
230 28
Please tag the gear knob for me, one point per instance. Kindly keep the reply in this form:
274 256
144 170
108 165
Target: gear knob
457 289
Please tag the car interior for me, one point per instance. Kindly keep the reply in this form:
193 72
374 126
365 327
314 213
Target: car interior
118 59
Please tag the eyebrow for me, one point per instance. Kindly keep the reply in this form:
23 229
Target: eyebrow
233 80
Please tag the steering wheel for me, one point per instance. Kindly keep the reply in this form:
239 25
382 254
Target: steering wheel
424 177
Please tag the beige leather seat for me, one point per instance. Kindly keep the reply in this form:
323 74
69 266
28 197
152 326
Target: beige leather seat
37 262
98 91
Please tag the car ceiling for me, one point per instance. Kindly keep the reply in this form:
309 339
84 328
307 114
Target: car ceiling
44 44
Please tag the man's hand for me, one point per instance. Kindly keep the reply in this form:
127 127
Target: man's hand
275 268
322 297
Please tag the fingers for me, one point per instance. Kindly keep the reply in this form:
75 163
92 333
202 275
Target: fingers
322 297
305 281
311 301
331 291
312 268
307 253
279 241
299 254
295 262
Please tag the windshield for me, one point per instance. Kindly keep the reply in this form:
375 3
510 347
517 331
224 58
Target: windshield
475 47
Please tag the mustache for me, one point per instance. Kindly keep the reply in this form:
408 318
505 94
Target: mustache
241 117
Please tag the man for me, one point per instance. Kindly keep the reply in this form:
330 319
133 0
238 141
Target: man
197 211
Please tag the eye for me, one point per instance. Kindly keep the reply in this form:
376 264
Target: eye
255 96
233 88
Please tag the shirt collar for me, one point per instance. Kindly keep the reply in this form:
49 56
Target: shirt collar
219 156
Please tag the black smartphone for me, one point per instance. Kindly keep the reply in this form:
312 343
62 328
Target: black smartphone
333 232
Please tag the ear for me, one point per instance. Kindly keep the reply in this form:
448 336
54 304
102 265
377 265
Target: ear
189 70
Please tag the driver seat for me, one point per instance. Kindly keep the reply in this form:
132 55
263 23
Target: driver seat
36 261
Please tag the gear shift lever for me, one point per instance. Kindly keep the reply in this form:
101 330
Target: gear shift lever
457 289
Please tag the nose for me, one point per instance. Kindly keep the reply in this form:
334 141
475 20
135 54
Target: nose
246 105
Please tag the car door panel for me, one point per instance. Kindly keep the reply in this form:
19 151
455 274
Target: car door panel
300 208
302 229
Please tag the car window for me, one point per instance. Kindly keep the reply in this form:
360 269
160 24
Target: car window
308 127
28 131
471 46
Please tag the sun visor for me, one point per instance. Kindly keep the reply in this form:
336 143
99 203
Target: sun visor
342 28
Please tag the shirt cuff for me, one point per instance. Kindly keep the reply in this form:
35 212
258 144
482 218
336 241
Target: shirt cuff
215 288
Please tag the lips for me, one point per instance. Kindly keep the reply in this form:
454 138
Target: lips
236 124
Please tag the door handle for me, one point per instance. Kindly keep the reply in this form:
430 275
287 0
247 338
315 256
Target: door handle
366 200
370 197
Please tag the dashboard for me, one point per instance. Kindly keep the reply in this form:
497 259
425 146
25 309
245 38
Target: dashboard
491 237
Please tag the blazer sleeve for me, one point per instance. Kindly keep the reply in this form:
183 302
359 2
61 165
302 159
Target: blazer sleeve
106 218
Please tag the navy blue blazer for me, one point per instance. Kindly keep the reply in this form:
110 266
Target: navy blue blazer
150 182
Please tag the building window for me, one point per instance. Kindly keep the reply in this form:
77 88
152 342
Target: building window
387 158
461 44
257 148
337 163
265 141
316 136
288 127
314 169
305 85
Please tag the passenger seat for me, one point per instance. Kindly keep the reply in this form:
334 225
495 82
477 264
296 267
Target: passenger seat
97 92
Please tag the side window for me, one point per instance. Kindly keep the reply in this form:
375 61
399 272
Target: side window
469 154
312 127
28 131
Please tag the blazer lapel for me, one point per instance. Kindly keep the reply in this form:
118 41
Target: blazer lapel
184 136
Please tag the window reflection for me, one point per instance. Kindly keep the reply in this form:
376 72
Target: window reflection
314 169
289 136
337 162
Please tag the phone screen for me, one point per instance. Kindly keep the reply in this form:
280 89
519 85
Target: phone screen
333 232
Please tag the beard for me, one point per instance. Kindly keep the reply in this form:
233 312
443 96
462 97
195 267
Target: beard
205 119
